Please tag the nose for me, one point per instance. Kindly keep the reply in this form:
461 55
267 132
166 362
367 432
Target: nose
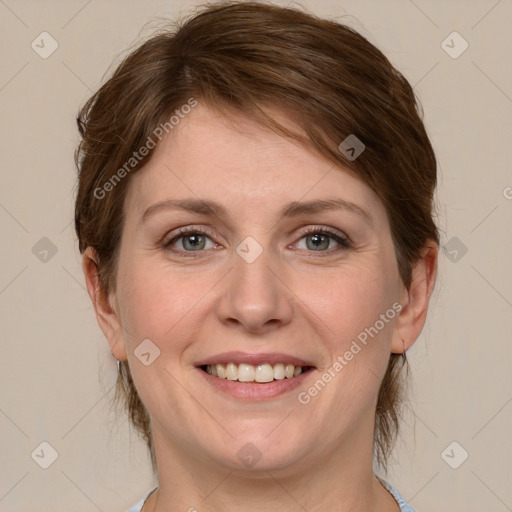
256 296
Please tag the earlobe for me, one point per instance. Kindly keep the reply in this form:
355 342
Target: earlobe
106 315
412 317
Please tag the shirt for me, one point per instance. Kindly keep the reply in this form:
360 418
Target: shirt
404 506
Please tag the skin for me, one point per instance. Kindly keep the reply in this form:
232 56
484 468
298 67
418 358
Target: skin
291 299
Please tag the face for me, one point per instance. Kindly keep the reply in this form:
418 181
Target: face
257 282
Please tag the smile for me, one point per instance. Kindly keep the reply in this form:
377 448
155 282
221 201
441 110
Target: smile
255 373
254 376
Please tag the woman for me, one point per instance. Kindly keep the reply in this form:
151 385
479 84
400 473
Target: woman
254 210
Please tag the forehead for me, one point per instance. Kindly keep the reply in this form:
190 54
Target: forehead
241 164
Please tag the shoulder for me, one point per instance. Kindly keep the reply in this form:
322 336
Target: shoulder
404 506
138 506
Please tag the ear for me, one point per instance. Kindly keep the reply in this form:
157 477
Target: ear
106 315
415 301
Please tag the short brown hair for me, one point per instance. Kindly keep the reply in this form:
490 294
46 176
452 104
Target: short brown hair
242 56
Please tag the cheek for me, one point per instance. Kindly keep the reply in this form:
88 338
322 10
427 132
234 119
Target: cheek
163 304
356 309
150 303
160 306
346 301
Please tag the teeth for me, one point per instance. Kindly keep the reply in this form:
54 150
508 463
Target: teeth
221 370
279 371
264 373
232 371
246 373
250 373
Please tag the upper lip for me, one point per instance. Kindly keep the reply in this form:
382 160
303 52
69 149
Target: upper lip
254 359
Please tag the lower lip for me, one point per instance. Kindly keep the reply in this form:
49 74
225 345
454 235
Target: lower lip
255 390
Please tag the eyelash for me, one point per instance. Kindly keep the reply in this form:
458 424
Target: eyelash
343 241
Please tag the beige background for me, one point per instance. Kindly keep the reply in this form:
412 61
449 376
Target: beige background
56 370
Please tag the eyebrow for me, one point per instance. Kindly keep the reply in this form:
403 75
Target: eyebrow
293 209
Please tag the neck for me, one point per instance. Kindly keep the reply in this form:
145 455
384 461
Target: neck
340 479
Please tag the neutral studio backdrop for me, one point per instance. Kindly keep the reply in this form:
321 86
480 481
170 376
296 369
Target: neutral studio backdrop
56 371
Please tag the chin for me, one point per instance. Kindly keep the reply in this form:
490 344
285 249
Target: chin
263 452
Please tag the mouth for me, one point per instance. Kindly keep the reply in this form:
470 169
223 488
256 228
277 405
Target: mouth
261 373
254 376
